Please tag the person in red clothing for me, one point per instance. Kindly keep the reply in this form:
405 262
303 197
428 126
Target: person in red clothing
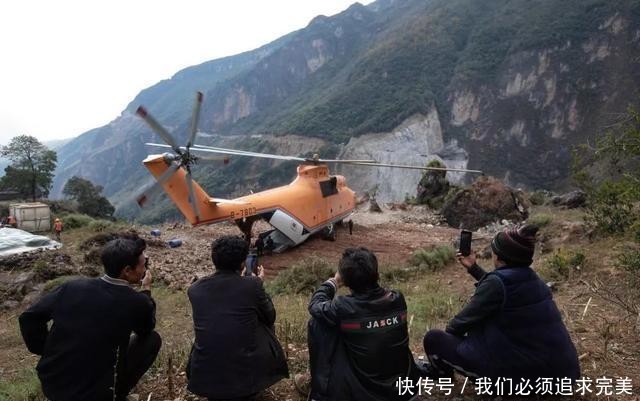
57 228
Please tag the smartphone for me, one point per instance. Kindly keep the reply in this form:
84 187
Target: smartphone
465 242
251 264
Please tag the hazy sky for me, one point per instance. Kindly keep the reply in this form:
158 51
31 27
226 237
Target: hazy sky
69 66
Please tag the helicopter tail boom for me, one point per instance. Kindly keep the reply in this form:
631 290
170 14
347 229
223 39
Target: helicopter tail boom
175 186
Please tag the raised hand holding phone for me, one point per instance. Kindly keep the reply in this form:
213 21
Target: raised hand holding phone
465 243
465 258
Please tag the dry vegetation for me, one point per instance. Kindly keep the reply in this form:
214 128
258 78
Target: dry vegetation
598 302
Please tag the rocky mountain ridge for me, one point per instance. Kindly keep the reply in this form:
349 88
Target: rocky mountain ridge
398 81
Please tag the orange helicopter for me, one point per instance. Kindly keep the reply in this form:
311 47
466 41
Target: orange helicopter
313 202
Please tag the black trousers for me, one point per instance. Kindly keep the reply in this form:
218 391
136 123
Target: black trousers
323 342
141 352
442 350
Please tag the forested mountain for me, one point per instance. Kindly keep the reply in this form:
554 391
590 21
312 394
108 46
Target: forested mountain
506 86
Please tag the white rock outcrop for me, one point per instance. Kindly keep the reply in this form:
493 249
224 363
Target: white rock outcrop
415 142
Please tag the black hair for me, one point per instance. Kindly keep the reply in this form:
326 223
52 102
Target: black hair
120 253
359 269
229 252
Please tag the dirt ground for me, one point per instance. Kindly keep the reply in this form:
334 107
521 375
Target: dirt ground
605 335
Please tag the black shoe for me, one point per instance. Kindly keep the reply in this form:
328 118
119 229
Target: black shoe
429 370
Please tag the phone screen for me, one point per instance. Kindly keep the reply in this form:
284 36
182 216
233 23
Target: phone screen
465 243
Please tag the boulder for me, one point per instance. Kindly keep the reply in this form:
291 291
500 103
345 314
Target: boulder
570 200
484 202
16 286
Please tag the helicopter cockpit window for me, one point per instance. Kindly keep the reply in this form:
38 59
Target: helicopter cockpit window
329 187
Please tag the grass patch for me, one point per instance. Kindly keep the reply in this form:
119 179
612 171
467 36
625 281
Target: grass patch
397 274
56 282
560 265
24 387
175 325
540 219
433 258
429 305
100 225
303 277
291 329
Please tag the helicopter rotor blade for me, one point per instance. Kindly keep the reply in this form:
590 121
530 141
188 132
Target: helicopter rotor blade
247 153
156 187
159 129
347 161
192 199
211 158
194 118
370 163
307 159
234 152
462 170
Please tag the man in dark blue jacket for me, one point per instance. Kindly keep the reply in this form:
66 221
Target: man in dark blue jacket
90 352
511 327
359 343
236 353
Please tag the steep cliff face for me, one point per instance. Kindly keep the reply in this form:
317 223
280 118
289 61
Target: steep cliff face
523 125
503 87
416 142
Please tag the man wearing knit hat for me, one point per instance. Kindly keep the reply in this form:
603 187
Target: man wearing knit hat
511 327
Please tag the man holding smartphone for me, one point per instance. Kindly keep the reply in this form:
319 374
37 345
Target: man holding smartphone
101 341
236 353
358 343
511 327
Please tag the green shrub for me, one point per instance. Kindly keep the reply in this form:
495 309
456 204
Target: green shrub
303 277
52 284
433 258
537 198
540 219
561 264
41 268
630 262
610 207
100 225
76 220
609 174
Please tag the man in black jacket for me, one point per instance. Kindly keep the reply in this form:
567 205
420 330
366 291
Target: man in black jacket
90 352
511 327
359 343
236 353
